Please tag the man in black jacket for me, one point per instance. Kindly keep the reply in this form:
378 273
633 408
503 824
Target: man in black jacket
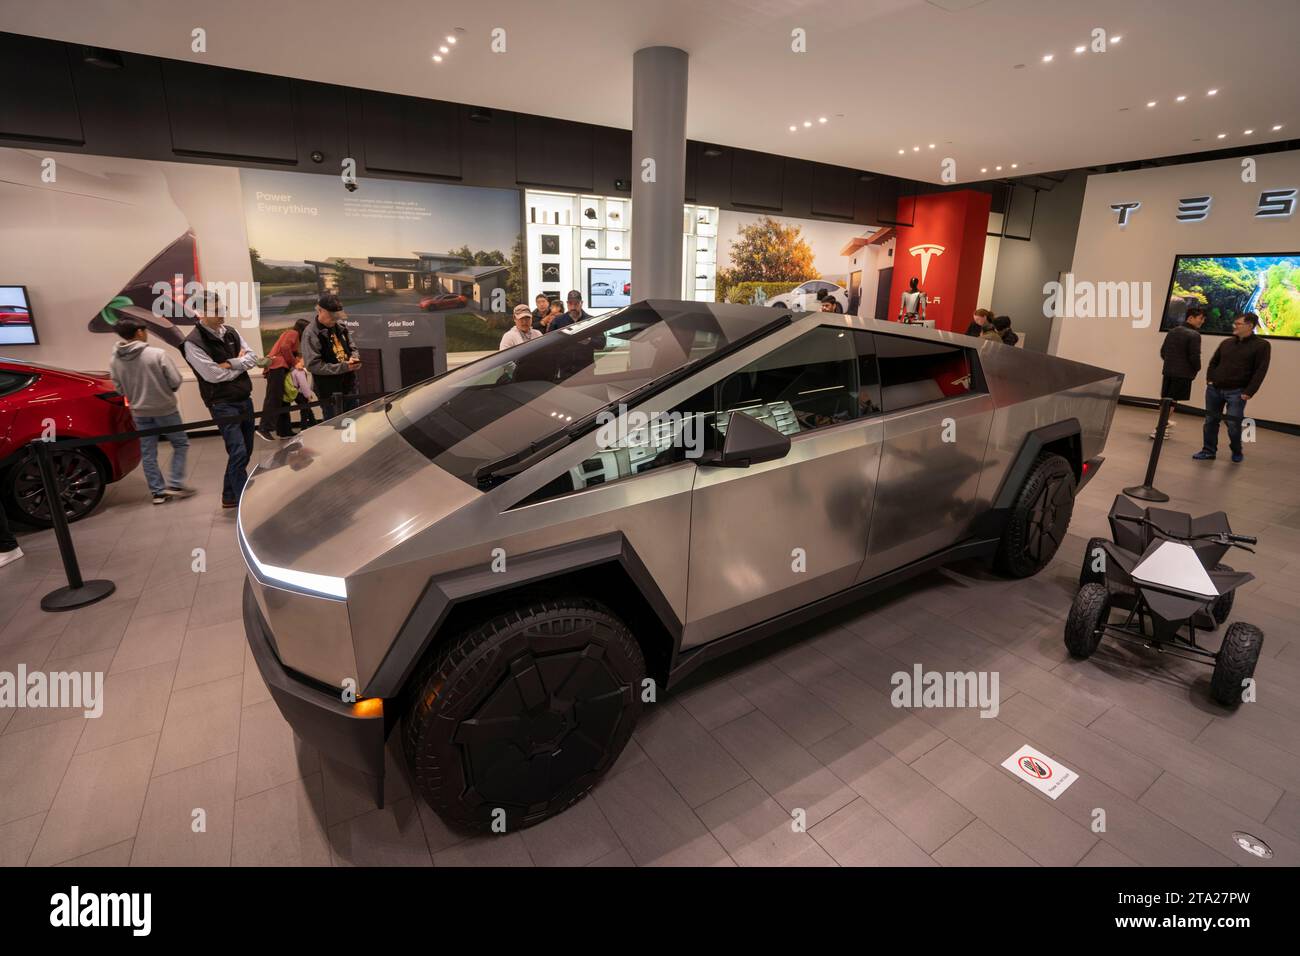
1181 351
328 355
221 359
1235 374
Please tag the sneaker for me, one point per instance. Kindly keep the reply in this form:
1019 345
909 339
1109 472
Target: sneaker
180 491
161 498
9 557
265 436
1204 455
1238 458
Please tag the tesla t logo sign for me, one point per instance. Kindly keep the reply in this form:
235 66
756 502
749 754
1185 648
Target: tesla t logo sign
925 251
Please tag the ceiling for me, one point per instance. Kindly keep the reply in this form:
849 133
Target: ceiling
886 74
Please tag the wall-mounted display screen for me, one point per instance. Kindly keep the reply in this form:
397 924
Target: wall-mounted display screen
17 326
609 288
1227 285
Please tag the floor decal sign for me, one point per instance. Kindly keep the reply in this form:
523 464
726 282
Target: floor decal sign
1040 771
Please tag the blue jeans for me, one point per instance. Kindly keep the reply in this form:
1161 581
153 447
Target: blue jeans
1215 399
238 436
179 441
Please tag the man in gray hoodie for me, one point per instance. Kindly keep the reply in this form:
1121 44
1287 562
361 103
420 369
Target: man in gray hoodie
149 380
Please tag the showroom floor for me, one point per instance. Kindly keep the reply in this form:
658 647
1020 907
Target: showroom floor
716 770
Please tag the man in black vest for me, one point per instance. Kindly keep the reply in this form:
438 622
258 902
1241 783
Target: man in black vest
328 355
221 359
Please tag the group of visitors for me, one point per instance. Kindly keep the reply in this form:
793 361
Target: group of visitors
548 315
996 328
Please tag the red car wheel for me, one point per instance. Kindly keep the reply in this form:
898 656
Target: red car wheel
81 486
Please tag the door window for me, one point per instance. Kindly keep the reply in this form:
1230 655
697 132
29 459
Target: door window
916 371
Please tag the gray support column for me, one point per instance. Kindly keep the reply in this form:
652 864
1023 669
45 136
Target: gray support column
658 133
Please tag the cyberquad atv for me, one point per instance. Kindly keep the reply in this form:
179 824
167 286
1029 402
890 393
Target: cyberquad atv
1163 570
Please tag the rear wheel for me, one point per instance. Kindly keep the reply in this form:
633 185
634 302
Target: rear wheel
1235 663
516 719
80 479
1087 620
1038 519
1222 606
1094 557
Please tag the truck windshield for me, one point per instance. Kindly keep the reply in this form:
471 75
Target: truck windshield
511 404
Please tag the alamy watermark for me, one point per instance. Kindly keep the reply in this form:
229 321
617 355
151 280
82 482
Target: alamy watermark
179 299
1083 299
631 428
922 688
83 690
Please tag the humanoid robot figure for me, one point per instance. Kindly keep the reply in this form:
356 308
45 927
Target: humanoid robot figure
911 307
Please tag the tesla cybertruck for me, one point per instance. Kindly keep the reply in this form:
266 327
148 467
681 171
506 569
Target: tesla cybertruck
513 559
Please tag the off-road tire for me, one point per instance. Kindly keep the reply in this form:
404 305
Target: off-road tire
514 720
1090 610
1236 662
1038 519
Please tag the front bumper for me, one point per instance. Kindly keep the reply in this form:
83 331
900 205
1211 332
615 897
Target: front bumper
319 717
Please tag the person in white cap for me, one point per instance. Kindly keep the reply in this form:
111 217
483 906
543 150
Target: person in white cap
523 330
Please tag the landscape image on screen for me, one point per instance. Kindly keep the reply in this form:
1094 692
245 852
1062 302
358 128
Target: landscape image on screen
1268 285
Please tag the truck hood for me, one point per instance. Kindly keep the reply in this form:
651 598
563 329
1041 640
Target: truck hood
341 494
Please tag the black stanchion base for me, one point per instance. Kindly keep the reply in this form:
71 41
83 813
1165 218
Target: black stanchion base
69 598
1146 493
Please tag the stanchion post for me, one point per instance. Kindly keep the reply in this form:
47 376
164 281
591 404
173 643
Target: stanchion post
77 593
1147 491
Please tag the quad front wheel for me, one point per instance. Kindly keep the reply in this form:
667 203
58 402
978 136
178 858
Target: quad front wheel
1093 555
514 720
1235 663
1222 606
1087 620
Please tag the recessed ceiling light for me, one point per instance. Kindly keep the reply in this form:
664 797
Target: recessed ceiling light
998 168
794 129
1047 57
821 119
932 145
451 39
436 58
443 49
807 123
1080 48
916 149
1247 132
1277 127
1151 102
1180 98
1116 39
1015 165
901 152
984 169
1210 92
1223 135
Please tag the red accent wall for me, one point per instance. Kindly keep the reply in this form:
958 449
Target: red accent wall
959 222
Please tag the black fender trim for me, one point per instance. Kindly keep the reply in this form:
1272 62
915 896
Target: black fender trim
444 592
991 522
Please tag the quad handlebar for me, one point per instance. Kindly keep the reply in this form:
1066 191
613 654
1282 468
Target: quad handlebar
1218 537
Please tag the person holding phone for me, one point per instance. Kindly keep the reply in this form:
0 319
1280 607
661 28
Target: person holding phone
328 354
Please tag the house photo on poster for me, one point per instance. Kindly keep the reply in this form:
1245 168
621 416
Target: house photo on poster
389 248
95 238
785 263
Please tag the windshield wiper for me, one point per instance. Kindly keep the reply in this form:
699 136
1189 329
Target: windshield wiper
507 466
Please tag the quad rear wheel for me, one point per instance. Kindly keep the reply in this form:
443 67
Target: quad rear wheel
1235 663
516 719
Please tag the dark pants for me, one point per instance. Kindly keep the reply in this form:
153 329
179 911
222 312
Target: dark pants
275 417
1215 400
7 540
333 392
238 436
307 416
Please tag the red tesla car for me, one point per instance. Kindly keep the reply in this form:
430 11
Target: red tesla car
80 405
444 300
15 315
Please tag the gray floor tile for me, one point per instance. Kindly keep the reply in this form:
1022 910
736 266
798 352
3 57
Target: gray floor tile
154 639
692 760
789 705
282 826
392 836
578 836
1286 815
135 703
505 849
211 653
98 803
1105 855
1213 823
269 753
858 835
32 765
653 822
202 723
979 845
18 838
188 817
757 831
117 855
714 703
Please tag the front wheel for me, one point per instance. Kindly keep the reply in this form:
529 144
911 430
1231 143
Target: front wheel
516 719
1222 606
1039 518
1094 557
1235 663
1087 620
